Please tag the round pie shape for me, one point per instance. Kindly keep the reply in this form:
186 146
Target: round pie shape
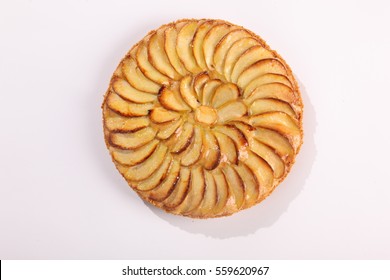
202 118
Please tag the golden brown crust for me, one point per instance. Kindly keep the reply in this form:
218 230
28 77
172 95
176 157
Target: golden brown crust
268 118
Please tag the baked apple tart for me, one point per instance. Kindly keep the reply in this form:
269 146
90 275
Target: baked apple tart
202 118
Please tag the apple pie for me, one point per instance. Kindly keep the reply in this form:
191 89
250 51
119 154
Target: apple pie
202 118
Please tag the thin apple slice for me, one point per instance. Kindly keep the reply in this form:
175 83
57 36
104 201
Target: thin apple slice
231 111
234 53
133 140
184 46
184 138
236 185
170 36
162 191
269 155
262 67
235 134
166 130
278 121
136 156
180 189
228 149
188 93
251 56
126 108
158 57
156 177
126 91
265 105
161 115
198 42
199 82
147 69
262 80
212 38
193 152
195 192
222 192
274 90
262 171
136 78
224 45
117 123
223 94
209 90
210 197
143 170
172 100
250 184
211 151
276 141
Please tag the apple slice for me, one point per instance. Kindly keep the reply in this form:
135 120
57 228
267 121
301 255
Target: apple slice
236 185
195 192
228 149
234 53
180 189
278 121
212 38
262 67
210 197
136 78
145 169
184 46
264 105
147 69
222 192
166 130
126 108
170 36
249 57
158 57
192 154
224 45
209 90
199 82
133 140
172 100
211 152
117 123
274 90
263 80
136 156
198 40
223 94
231 111
235 134
250 185
276 141
262 171
161 115
156 177
126 91
188 93
184 138
162 191
269 156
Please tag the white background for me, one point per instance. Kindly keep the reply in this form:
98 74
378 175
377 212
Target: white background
62 198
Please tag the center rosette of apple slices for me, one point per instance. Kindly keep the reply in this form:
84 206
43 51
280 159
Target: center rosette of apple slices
202 118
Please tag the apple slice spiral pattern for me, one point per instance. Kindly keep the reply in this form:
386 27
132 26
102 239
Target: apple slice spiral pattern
202 118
